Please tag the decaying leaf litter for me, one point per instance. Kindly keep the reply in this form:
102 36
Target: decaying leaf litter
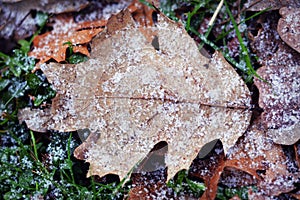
173 94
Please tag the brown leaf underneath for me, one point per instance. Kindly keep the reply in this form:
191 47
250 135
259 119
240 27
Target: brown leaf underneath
264 162
297 153
280 95
211 168
16 17
258 5
142 13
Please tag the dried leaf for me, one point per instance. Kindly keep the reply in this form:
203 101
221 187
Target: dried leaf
280 95
150 184
258 5
289 27
142 13
132 95
253 154
52 44
17 22
211 168
280 102
149 178
278 178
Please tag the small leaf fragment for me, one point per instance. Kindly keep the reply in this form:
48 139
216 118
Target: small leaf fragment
289 27
65 30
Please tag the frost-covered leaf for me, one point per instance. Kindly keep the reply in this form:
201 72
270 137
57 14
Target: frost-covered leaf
132 95
254 161
263 155
53 44
16 20
297 152
241 162
258 5
289 27
280 95
280 102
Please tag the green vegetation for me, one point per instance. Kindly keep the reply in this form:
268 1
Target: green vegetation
227 193
37 169
74 58
181 183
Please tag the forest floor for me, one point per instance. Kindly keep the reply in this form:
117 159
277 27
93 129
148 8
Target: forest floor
260 40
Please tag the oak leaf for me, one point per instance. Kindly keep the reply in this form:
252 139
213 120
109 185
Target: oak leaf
132 94
280 100
53 44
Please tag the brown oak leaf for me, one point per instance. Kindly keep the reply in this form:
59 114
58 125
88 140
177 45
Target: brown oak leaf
142 13
132 94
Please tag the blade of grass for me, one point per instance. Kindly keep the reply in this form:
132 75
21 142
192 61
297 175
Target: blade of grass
148 4
191 14
216 48
34 146
15 94
42 23
69 161
250 70
243 21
